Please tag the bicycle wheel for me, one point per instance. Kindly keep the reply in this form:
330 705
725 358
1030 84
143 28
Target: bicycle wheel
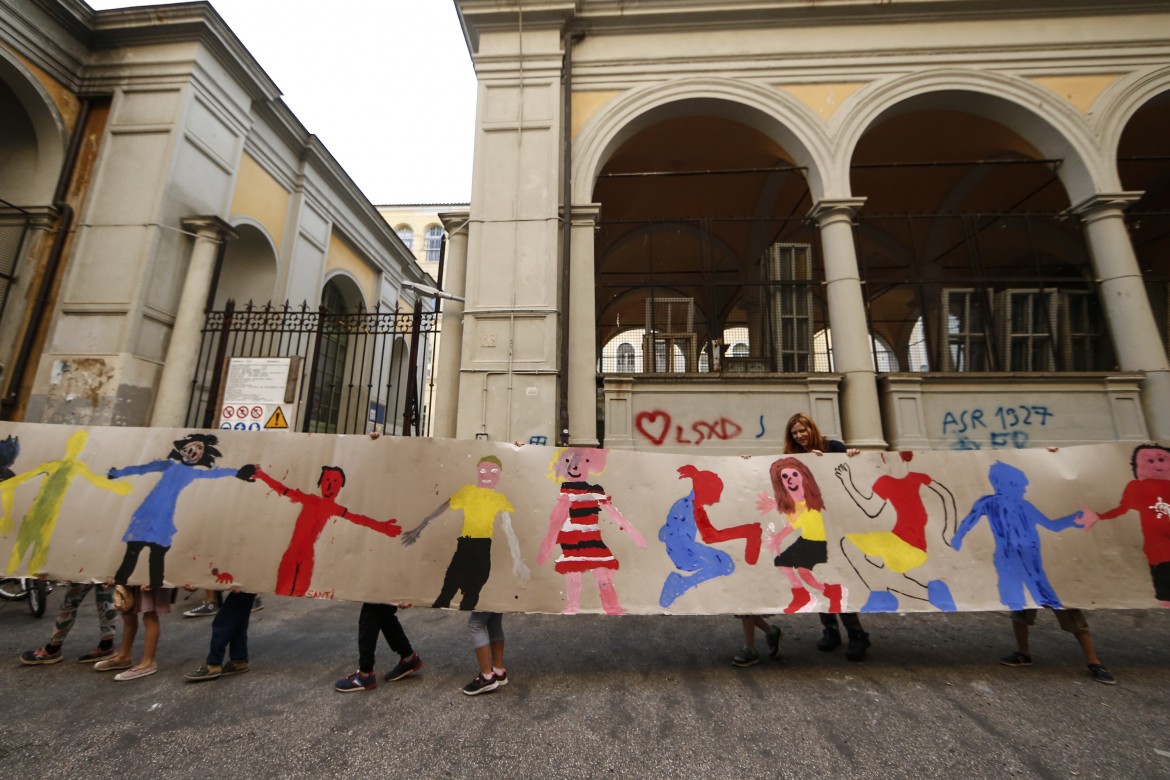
12 589
38 594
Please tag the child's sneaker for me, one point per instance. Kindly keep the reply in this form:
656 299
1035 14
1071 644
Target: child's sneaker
357 682
206 609
257 605
773 636
42 655
501 678
404 668
205 672
747 657
858 644
236 667
1101 674
97 654
1016 659
480 685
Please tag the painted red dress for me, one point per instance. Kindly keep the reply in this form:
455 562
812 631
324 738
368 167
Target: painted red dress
582 548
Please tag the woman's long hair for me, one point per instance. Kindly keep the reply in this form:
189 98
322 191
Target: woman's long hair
815 440
812 491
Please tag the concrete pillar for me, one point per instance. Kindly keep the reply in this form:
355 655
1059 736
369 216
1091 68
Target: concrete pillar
454 281
1127 306
582 355
174 386
852 357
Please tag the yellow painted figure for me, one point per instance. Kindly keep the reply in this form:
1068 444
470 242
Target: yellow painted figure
36 529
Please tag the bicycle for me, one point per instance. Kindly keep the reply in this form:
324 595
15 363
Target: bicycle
33 589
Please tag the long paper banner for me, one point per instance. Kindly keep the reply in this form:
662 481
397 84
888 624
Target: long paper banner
539 529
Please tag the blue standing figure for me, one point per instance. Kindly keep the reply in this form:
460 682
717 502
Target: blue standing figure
1014 521
679 534
153 522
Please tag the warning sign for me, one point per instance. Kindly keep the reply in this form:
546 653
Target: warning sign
276 421
258 390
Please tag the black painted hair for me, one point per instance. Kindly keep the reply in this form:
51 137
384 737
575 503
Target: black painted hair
331 468
208 440
1139 448
9 449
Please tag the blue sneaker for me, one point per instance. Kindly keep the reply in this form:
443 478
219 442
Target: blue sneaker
357 682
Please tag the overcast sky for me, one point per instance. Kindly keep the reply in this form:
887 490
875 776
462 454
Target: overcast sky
387 85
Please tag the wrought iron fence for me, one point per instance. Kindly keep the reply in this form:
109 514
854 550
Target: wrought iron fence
359 371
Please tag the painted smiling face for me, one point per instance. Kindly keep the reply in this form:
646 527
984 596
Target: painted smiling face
488 474
192 452
1152 463
331 482
578 463
793 482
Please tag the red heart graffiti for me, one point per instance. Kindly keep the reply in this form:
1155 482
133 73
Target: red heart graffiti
656 419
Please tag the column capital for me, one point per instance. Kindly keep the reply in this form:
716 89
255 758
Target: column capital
209 226
585 214
832 209
455 221
1103 204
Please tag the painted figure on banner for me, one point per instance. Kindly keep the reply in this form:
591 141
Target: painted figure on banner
153 523
36 528
1014 520
574 525
797 497
9 451
1148 494
481 503
687 523
903 548
295 572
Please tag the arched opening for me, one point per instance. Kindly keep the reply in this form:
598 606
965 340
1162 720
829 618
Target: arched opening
969 259
1143 161
702 232
248 273
334 360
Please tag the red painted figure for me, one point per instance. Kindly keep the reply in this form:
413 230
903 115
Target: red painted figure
296 567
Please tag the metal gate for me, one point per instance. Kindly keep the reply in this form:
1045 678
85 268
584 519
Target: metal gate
360 371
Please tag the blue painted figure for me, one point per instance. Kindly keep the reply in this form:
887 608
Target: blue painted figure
679 536
1013 523
153 522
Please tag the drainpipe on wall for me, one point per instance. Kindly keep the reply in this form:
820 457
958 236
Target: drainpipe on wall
570 38
52 265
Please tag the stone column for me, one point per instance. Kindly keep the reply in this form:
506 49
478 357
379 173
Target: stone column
174 386
852 356
454 281
582 355
1122 290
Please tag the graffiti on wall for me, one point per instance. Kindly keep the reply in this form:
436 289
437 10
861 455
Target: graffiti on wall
659 427
998 428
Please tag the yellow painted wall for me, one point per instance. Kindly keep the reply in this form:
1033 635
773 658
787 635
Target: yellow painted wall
1081 91
586 104
344 257
260 197
823 99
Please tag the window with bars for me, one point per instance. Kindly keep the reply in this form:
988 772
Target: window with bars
330 378
406 235
1034 329
788 303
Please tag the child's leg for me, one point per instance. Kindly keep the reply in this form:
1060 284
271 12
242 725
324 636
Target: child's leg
369 624
495 626
103 597
129 631
477 625
68 613
150 639
1020 630
395 634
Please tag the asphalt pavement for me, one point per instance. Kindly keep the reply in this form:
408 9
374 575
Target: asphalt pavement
597 697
